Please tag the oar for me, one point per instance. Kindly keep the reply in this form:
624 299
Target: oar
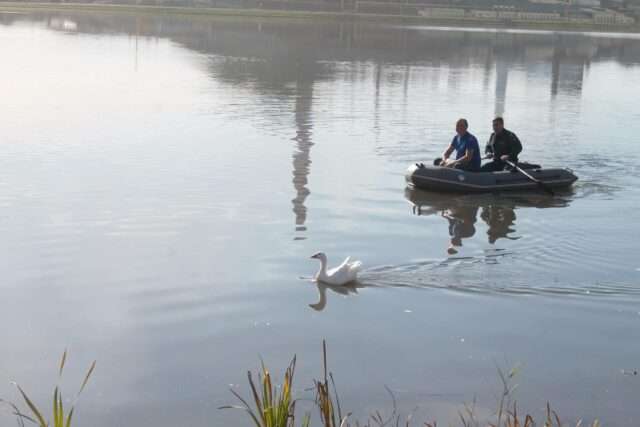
537 181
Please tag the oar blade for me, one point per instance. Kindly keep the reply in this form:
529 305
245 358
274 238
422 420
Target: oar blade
541 184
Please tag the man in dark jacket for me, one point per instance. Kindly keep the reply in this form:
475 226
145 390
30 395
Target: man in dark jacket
503 145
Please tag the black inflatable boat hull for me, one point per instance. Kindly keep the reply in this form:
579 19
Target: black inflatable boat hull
437 178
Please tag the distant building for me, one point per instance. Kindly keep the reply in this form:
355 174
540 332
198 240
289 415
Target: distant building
564 2
442 12
588 3
573 11
610 17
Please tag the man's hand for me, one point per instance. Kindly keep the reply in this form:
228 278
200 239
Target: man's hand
504 157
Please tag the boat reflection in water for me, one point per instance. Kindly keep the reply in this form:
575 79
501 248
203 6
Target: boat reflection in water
498 211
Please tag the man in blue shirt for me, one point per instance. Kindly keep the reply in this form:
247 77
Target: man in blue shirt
466 147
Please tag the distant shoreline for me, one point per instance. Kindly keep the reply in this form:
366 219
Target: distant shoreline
300 14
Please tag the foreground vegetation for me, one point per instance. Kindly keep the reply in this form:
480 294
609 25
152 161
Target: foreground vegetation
273 405
60 418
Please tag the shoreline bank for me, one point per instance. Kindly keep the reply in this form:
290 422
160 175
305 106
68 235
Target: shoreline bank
349 16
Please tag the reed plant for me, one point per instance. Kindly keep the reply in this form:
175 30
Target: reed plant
273 409
61 417
328 404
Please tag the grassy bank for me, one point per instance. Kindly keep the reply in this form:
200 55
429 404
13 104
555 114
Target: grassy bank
298 14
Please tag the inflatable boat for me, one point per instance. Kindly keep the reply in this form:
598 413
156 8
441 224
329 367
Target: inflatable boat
438 178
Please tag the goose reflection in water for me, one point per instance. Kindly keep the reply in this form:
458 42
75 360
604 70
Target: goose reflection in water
496 210
345 290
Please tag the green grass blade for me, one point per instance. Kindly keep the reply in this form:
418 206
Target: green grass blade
267 397
59 422
68 424
33 407
246 408
254 391
306 421
335 393
55 406
16 411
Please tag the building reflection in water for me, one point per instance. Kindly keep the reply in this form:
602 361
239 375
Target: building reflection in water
302 152
502 77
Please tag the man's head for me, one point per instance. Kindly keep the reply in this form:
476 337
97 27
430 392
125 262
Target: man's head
461 126
498 124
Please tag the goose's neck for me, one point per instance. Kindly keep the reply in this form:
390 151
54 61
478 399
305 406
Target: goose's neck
323 268
322 302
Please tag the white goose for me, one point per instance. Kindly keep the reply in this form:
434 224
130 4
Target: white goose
338 276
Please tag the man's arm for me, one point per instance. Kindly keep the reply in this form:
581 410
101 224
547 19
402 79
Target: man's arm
488 149
468 155
516 146
447 152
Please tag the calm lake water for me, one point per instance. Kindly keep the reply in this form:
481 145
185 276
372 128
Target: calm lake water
163 182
